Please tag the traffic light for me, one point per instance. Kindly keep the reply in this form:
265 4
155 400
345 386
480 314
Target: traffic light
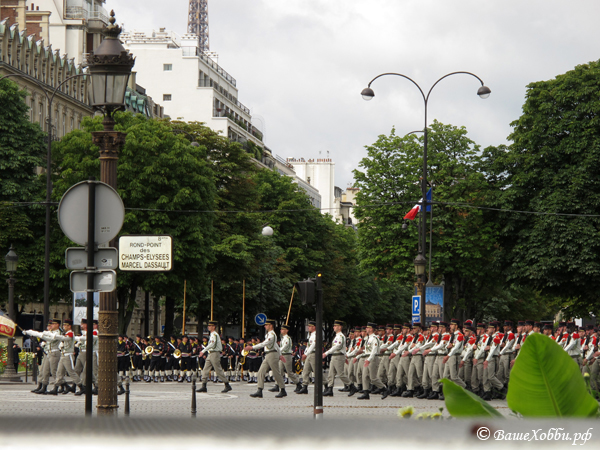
306 290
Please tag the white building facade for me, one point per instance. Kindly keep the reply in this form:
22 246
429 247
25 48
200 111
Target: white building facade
319 173
189 84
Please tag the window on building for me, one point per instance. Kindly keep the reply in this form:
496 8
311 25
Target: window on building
166 97
167 67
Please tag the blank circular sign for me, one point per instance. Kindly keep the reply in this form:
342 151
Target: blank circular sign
73 212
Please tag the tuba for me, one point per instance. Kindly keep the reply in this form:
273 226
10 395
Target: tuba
148 351
177 354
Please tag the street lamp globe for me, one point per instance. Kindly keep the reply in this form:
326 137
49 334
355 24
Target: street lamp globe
420 263
367 94
110 66
12 260
267 231
484 92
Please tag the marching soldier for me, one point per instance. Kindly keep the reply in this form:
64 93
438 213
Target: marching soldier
384 366
213 349
403 356
122 358
138 357
52 358
287 348
440 350
506 352
185 347
351 355
429 356
81 362
477 376
338 360
371 364
492 350
65 364
466 364
270 362
172 366
348 363
457 341
573 346
309 358
155 360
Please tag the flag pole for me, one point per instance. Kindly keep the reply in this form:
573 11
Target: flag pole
290 308
184 289
243 308
212 284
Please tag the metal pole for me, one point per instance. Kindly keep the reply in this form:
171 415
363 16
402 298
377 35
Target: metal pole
243 308
90 270
9 373
290 308
318 411
147 314
424 219
48 217
127 396
212 284
194 395
183 322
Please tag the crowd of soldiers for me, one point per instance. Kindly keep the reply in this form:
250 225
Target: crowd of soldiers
394 360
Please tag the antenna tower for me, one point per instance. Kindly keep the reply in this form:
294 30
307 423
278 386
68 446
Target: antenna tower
198 22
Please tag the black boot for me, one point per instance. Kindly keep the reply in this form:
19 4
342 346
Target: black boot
274 388
43 390
61 389
408 393
353 390
304 390
257 394
81 390
162 379
202 389
53 391
425 394
397 392
378 391
433 395
227 388
346 389
121 390
39 388
441 394
66 389
298 388
487 396
281 394
328 392
365 396
385 394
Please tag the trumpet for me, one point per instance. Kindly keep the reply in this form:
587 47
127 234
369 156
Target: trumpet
177 354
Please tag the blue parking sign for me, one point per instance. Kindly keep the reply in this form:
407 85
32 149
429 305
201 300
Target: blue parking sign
416 305
260 319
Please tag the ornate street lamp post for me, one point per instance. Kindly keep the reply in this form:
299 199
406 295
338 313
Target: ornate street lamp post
420 262
12 261
110 66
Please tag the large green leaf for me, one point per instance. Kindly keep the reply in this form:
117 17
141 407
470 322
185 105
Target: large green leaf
462 403
546 382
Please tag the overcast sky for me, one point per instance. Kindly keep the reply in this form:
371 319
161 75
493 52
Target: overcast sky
300 65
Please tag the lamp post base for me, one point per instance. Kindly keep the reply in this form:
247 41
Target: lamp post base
10 376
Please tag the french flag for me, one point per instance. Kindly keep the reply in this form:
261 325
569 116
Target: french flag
415 210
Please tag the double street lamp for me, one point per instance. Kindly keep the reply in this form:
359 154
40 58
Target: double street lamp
420 262
12 261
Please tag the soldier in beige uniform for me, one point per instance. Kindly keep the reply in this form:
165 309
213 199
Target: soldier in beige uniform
402 356
270 362
50 362
65 364
213 361
348 368
352 361
82 357
309 357
440 350
429 359
287 348
371 364
384 366
452 359
338 360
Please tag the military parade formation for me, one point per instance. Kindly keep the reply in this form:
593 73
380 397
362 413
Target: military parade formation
396 360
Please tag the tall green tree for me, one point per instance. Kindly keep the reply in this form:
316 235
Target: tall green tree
463 242
167 187
22 151
552 167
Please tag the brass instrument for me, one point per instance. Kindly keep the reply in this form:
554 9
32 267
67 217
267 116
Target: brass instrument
244 354
177 354
149 350
229 368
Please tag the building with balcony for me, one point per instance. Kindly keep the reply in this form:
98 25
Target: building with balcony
190 85
344 202
74 26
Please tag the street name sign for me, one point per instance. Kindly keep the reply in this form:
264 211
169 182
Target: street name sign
147 253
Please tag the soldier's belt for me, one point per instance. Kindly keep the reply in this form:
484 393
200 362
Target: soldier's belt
337 354
270 351
185 355
56 350
67 354
430 354
379 354
286 353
